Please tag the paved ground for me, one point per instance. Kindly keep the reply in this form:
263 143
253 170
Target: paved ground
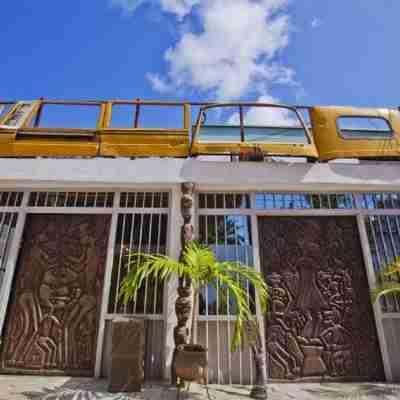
51 388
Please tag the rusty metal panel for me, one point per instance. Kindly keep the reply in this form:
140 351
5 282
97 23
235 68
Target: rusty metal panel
332 144
52 320
321 324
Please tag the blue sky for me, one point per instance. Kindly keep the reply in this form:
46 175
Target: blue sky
307 51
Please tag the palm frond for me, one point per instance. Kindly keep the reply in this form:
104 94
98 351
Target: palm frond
199 263
147 266
392 268
385 289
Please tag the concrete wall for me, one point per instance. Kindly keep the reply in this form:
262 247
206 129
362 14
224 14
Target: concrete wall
122 172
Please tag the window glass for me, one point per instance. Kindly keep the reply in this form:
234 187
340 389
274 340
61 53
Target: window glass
364 128
5 108
67 116
260 125
273 125
128 116
220 124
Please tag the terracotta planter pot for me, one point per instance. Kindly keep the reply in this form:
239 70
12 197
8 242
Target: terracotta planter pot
191 363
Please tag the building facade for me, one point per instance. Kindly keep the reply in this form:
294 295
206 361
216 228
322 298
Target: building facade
318 232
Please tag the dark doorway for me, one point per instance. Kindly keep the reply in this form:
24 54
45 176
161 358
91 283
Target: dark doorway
54 308
321 323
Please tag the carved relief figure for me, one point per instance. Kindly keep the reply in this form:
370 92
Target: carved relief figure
54 314
321 321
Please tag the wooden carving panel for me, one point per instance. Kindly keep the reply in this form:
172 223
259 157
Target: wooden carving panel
54 309
321 323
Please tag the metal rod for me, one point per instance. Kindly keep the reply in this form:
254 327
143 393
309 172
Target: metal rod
137 113
121 249
241 123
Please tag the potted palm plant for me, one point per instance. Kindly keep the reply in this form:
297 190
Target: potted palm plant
386 285
199 266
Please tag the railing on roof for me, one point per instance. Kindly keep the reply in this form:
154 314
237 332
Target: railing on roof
94 128
140 128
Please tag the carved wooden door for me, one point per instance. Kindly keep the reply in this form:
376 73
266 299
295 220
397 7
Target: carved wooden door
321 323
54 308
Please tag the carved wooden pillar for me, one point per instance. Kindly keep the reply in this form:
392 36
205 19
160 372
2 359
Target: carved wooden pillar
183 305
259 389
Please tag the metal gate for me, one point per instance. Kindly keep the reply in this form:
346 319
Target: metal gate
321 323
55 303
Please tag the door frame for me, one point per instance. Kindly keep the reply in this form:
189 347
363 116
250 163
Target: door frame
23 210
357 212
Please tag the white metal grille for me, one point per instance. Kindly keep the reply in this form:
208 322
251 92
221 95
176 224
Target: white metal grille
141 232
304 200
8 222
144 200
384 200
71 199
230 238
11 199
224 200
384 237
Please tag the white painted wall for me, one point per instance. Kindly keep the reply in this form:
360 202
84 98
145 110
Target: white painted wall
123 172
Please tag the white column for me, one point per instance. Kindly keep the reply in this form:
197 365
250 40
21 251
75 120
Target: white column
175 222
257 266
376 307
12 260
106 288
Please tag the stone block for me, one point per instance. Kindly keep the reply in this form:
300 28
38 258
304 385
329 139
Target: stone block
127 355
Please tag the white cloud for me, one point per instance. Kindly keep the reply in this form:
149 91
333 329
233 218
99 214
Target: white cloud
178 7
127 6
316 22
157 83
264 116
235 51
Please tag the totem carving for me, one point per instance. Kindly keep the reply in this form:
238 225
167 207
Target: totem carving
183 304
321 323
54 309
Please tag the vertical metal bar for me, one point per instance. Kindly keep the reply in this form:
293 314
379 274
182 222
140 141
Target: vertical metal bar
228 308
371 276
257 266
95 199
8 199
217 306
246 261
38 116
2 222
139 250
394 299
237 258
6 238
207 301
56 199
76 199
395 253
106 292
157 251
130 247
11 262
377 252
121 243
85 201
148 251
137 113
241 123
